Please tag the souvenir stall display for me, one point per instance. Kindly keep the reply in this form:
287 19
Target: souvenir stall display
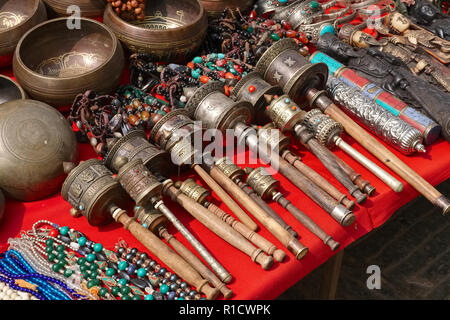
325 118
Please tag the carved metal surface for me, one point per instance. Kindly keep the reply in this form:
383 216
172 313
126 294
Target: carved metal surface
262 182
231 170
384 124
193 190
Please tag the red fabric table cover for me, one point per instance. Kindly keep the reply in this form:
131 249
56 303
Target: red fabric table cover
249 280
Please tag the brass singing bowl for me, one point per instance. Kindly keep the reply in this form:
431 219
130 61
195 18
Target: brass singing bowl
214 8
172 30
37 149
16 18
10 90
88 8
56 60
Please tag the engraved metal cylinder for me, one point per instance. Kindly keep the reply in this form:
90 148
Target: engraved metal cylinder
134 145
282 65
229 168
139 183
262 182
324 128
91 189
210 105
384 124
195 191
253 88
175 133
150 218
285 113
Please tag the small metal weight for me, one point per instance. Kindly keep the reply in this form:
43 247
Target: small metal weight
134 145
91 189
210 105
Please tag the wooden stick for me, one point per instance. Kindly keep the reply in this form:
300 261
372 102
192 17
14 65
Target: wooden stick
191 258
213 223
165 253
261 242
230 203
288 240
378 150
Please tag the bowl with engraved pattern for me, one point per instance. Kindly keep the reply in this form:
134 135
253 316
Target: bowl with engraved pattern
87 8
214 8
172 30
10 90
62 57
16 18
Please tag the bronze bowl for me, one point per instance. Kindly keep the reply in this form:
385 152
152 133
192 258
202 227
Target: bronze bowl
88 8
16 18
37 148
214 8
173 30
10 90
54 63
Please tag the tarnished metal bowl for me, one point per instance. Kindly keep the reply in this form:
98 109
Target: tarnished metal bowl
16 18
88 8
172 31
56 60
10 90
37 148
215 7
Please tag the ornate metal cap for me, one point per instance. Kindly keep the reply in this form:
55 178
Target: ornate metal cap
36 144
285 113
91 189
139 183
323 127
210 105
262 182
252 88
134 145
193 190
282 65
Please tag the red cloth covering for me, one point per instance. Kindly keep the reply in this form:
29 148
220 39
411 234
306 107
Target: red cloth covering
249 280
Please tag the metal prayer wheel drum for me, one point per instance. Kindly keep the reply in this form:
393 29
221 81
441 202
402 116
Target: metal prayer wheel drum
210 105
274 138
37 147
10 90
16 18
252 88
282 65
134 145
150 218
323 127
195 191
230 169
139 183
175 133
91 189
262 182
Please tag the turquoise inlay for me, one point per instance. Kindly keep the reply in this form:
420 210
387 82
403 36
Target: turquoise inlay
387 107
332 64
327 29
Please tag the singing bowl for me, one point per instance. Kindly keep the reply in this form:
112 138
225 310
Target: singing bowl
54 63
10 90
88 8
16 18
214 8
172 31
37 149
